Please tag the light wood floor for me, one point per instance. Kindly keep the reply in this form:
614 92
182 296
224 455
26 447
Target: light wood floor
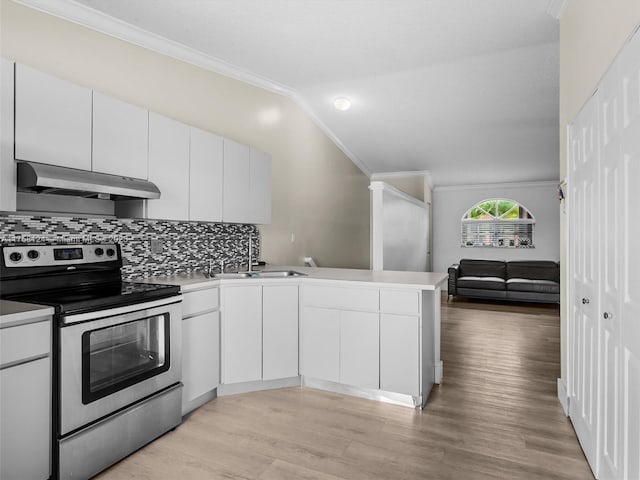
495 416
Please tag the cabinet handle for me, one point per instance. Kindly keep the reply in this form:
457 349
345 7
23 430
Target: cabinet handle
607 315
585 301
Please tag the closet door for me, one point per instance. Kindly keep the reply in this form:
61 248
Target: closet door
629 316
583 164
611 235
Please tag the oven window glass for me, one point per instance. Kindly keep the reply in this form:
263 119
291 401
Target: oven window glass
116 357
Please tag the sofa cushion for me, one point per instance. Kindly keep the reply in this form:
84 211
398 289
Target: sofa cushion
484 283
482 268
528 285
534 270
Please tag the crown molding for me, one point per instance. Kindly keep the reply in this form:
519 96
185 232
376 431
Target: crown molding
485 186
84 16
556 8
413 173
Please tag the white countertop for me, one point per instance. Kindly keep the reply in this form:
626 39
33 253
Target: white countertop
416 280
18 313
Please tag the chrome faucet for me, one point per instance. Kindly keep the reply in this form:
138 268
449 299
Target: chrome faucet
250 265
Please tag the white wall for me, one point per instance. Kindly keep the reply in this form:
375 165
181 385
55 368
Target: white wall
451 203
400 230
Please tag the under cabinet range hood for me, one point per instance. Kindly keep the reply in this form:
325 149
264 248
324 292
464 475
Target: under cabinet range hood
43 178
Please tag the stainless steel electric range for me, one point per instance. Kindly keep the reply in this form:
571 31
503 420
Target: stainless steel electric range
116 351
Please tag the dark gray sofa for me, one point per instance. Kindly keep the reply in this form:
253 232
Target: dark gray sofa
522 280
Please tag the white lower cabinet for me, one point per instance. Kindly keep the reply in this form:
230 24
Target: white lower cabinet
260 332
399 354
25 412
321 343
364 337
279 331
200 346
341 346
359 349
200 355
242 333
25 401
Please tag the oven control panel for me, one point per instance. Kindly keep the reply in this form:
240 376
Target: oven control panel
48 255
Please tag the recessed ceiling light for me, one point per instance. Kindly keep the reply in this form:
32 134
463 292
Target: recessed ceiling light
342 104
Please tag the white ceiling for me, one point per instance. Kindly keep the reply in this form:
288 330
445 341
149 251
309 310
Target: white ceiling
466 89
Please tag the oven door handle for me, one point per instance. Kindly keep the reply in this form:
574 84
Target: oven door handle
85 317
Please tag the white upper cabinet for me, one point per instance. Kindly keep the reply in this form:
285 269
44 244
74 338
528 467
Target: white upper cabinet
260 187
52 120
7 165
237 159
169 168
120 137
205 178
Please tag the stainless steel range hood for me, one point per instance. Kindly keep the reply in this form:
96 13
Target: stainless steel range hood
42 178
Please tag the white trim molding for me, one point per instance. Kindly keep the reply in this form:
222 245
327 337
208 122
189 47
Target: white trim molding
381 176
87 17
484 186
563 397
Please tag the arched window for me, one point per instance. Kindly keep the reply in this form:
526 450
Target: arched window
498 222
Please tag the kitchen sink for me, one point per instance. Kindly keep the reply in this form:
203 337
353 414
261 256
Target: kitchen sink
232 275
261 274
277 274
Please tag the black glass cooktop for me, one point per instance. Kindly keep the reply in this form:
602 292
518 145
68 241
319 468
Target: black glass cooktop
96 297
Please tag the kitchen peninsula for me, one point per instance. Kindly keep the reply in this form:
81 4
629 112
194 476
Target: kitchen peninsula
373 334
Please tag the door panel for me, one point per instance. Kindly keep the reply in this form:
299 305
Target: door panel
584 202
630 276
610 263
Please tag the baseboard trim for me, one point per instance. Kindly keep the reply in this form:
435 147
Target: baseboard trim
368 393
246 387
563 397
438 372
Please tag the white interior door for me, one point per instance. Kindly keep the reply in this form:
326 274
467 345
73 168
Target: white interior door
610 264
584 282
629 316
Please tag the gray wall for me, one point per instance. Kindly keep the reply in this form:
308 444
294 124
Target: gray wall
451 203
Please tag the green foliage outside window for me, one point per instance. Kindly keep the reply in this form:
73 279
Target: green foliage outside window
497 222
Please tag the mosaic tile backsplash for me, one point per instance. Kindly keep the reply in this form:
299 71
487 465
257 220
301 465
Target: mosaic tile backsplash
186 246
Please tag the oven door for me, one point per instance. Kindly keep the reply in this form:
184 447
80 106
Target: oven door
113 358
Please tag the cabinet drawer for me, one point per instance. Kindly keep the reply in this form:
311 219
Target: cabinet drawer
24 342
400 301
347 298
200 301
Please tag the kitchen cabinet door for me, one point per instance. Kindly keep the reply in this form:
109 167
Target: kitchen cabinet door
200 355
260 187
280 331
52 120
359 349
235 207
7 165
169 168
320 347
241 333
120 137
399 354
205 179
25 415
